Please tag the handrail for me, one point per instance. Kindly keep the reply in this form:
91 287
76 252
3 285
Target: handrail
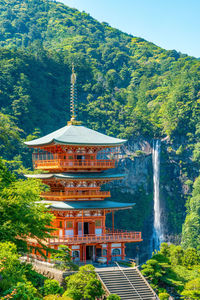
147 283
73 163
75 193
126 236
128 279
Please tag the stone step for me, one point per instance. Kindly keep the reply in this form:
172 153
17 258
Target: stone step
127 283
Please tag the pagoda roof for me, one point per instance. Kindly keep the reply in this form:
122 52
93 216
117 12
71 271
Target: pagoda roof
76 135
79 175
87 205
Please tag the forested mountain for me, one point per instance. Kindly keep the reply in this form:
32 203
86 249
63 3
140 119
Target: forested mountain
127 87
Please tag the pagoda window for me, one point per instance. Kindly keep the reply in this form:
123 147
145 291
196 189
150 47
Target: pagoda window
97 223
75 254
80 228
116 252
80 157
69 231
69 224
98 228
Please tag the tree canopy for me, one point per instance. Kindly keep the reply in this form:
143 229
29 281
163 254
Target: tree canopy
21 213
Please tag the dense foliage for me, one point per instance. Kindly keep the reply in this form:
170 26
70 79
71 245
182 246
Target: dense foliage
191 227
126 85
21 212
19 281
84 284
175 270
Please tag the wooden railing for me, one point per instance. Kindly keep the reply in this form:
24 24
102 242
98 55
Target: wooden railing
116 237
75 195
74 164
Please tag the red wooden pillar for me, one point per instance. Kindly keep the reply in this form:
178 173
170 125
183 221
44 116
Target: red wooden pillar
123 251
82 222
81 252
84 253
108 253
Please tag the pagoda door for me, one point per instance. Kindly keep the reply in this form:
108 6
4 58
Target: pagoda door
86 228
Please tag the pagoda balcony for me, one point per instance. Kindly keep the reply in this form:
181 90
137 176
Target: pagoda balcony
75 195
67 165
118 236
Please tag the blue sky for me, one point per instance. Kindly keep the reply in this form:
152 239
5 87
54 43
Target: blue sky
171 24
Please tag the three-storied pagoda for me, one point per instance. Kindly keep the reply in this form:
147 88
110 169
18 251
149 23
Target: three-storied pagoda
78 161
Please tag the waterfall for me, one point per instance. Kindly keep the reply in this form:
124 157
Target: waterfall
157 236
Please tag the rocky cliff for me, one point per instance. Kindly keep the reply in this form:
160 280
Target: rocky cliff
136 162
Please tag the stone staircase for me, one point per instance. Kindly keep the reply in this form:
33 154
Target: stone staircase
128 283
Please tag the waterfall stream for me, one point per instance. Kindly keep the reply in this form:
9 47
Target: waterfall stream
157 235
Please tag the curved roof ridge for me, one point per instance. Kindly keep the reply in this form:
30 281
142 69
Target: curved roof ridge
78 175
76 135
87 205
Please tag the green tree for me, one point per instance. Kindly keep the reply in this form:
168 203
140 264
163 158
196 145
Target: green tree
80 283
26 291
11 270
9 135
190 257
191 226
113 297
63 256
192 290
21 212
56 297
52 287
176 255
93 289
163 296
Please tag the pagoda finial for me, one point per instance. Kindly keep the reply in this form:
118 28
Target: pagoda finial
73 99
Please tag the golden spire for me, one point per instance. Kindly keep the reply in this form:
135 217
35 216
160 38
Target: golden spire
73 99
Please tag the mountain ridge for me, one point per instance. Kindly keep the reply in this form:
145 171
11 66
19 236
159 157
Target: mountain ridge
127 70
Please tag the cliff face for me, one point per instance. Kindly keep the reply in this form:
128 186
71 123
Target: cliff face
137 187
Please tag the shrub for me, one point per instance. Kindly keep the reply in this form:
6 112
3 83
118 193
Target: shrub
82 283
192 289
113 297
25 290
52 287
163 296
190 257
56 297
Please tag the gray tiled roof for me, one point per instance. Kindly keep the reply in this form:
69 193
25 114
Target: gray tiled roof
77 205
81 175
76 135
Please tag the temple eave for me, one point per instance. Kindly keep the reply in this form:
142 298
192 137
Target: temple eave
87 205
